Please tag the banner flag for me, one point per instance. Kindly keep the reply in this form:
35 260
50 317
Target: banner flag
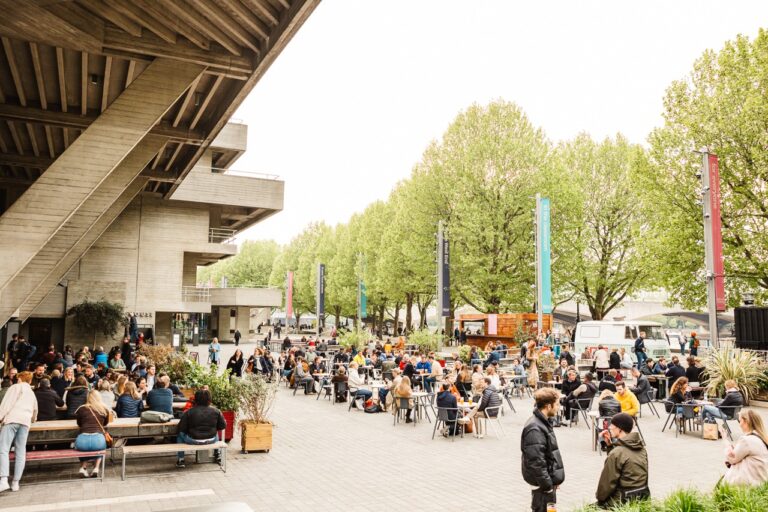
546 256
443 274
363 301
717 235
320 290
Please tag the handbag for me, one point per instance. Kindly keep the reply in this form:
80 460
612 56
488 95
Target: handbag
107 436
710 431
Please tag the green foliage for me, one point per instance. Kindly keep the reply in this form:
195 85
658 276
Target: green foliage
168 360
98 317
721 105
425 339
354 339
256 399
464 351
723 498
743 366
251 267
226 394
600 241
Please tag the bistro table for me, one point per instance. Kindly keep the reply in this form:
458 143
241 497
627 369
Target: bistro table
67 430
662 382
422 400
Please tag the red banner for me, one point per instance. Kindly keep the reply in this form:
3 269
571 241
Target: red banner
289 297
717 236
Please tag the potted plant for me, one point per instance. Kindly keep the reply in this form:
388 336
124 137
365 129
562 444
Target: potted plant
94 317
225 395
546 365
742 366
354 339
256 402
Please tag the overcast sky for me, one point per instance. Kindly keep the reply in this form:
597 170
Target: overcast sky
349 106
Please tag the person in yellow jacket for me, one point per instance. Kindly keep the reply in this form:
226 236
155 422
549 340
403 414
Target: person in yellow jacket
627 399
359 359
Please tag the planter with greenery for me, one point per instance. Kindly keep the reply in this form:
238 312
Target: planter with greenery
98 317
743 366
354 339
464 351
256 403
546 366
722 499
426 340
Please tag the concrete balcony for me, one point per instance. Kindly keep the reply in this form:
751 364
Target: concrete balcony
229 144
251 297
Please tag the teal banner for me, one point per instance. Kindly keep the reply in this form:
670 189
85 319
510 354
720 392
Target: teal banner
363 301
546 256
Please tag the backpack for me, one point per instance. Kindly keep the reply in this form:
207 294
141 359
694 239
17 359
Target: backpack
155 417
373 408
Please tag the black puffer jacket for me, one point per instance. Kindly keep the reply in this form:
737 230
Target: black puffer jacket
542 463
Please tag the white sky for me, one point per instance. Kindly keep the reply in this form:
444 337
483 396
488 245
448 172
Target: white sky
351 103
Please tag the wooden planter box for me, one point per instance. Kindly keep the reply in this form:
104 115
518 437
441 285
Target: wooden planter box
255 437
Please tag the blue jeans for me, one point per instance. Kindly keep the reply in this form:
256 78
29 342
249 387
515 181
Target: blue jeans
13 434
641 357
362 393
184 438
90 443
383 396
428 382
711 410
682 349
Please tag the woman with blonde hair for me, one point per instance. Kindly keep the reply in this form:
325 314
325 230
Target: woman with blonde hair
404 390
532 354
747 460
120 386
130 403
91 420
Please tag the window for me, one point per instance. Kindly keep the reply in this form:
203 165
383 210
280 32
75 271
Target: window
590 331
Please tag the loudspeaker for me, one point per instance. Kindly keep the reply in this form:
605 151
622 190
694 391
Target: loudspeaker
751 328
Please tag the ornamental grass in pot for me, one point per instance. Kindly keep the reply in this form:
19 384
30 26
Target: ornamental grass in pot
256 401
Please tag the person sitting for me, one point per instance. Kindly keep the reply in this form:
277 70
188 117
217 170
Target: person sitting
47 401
424 369
200 424
568 357
614 359
694 370
561 372
76 395
649 368
90 376
568 386
679 393
642 385
518 368
302 377
489 399
107 395
437 370
627 399
492 374
675 370
388 393
747 460
130 403
602 361
60 382
160 398
477 382
607 405
100 357
359 358
625 472
356 383
117 363
583 394
724 410
404 390
341 376
493 357
446 400
38 374
608 381
660 367
626 360
91 417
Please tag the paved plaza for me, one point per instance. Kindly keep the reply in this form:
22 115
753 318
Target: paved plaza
329 459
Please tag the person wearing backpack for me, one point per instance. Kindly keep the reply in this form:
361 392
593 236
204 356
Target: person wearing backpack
693 345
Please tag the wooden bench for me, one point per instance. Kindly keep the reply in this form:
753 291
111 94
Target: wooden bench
156 449
63 454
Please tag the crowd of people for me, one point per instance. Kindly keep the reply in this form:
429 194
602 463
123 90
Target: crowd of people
92 388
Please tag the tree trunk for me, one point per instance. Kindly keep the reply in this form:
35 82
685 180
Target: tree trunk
382 309
396 318
408 313
337 314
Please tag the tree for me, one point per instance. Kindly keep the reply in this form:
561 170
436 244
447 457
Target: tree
96 317
599 240
721 105
251 267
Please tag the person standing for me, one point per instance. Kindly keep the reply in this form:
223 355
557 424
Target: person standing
640 349
18 411
693 345
237 337
542 464
625 472
214 352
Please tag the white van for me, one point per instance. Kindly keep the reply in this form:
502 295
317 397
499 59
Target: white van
622 334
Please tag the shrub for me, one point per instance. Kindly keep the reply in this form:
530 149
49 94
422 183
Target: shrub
424 339
354 339
743 366
95 317
256 399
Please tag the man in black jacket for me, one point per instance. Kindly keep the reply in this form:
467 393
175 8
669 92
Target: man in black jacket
541 461
47 401
446 400
200 424
642 386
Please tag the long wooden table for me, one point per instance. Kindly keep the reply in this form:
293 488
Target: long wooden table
57 431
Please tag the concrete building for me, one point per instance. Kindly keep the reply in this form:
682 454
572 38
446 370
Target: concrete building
116 155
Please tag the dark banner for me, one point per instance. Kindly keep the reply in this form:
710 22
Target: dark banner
320 290
443 275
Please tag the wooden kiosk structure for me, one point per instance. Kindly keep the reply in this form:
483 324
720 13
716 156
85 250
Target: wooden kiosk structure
505 327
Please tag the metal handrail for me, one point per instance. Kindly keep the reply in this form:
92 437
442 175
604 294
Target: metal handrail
195 294
245 174
220 235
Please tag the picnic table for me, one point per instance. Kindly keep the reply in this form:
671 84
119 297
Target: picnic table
67 430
